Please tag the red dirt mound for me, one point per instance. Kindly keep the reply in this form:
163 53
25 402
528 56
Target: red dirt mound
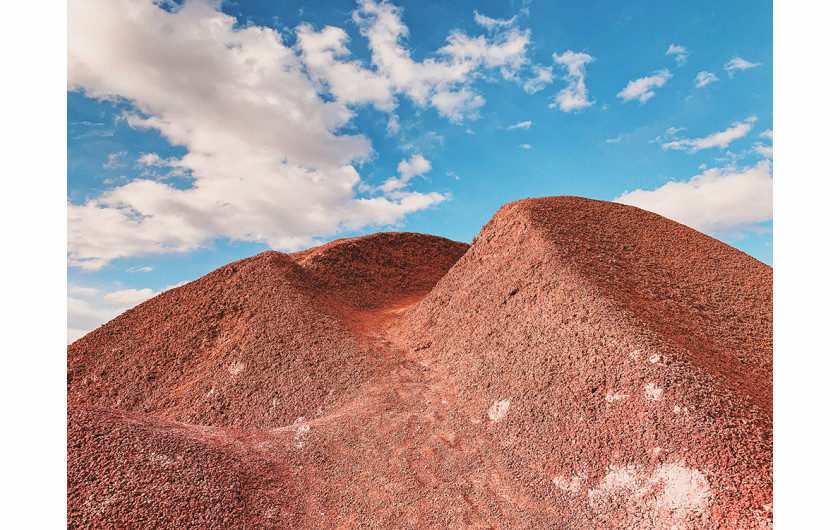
583 365
380 271
627 358
259 342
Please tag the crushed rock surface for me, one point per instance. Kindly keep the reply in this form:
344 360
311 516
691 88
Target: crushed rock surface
582 364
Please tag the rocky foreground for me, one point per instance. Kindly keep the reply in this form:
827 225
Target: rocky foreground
582 364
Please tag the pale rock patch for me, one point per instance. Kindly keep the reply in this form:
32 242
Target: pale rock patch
236 368
498 410
613 397
571 485
671 493
655 358
653 392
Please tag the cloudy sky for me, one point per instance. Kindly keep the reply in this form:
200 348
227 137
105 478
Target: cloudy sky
202 132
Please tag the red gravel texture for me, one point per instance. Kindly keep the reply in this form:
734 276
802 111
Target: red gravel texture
583 364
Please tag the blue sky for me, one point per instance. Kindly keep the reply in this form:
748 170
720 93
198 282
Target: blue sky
202 133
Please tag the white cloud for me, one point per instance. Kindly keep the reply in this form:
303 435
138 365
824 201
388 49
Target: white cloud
542 79
492 23
526 146
348 81
720 139
642 88
736 63
762 149
114 160
704 78
575 96
680 53
263 149
408 169
718 202
443 83
139 268
520 125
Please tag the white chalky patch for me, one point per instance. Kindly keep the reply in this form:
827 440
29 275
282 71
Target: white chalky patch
236 367
671 493
300 431
563 483
498 410
682 488
677 409
653 392
612 396
654 358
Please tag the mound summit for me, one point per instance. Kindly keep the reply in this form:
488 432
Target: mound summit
582 364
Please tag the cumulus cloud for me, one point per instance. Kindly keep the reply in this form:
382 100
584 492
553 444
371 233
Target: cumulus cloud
736 63
575 96
720 139
704 78
642 88
718 202
680 53
348 81
261 121
444 83
408 169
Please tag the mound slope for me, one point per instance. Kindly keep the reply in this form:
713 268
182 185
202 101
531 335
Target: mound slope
259 342
628 358
582 365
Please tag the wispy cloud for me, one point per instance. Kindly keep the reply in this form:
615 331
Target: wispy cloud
719 201
642 88
720 139
114 160
736 63
575 96
526 146
617 139
520 125
704 78
139 268
492 23
680 53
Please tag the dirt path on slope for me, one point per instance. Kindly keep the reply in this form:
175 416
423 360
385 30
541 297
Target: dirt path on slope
407 449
